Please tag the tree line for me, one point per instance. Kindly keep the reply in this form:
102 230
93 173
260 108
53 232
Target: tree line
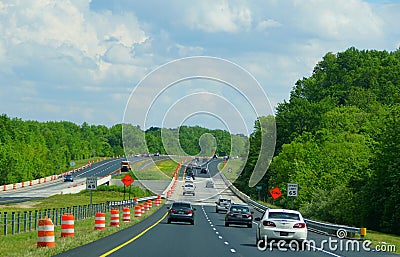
338 139
32 149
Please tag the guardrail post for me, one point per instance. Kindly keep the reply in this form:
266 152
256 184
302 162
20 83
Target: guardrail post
12 223
25 220
36 219
5 223
18 222
30 220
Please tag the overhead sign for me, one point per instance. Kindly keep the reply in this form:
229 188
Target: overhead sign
91 183
292 189
275 193
127 180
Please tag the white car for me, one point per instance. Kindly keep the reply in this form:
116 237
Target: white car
188 188
281 224
188 178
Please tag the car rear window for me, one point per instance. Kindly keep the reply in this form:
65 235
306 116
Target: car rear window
240 209
180 205
283 215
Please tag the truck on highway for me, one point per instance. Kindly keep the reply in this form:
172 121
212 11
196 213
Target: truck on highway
125 166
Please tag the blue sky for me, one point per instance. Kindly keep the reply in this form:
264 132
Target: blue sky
84 61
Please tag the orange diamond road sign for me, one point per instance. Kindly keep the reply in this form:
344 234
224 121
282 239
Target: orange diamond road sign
275 193
127 180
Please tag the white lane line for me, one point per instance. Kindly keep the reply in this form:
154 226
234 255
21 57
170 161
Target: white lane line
214 229
220 237
226 243
217 233
233 250
324 251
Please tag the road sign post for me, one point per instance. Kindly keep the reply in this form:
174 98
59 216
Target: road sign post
91 184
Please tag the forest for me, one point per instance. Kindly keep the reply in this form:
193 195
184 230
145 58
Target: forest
32 149
338 139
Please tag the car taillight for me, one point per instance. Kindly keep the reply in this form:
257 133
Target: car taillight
248 215
219 204
173 210
267 223
189 212
230 213
299 225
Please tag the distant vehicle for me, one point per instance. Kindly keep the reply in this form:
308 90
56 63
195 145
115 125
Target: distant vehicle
239 214
69 178
181 211
125 166
281 224
190 173
215 156
210 184
157 154
188 178
222 204
188 188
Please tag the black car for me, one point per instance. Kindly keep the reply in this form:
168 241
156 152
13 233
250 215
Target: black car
239 214
69 178
181 211
190 173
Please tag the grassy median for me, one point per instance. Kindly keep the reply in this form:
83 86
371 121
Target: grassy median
25 243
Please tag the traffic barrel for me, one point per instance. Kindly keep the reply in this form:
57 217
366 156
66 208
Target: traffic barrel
30 182
67 225
146 206
5 188
138 211
46 233
149 203
99 221
114 220
126 214
15 186
142 208
157 202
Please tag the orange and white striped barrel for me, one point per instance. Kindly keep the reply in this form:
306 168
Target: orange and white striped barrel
146 206
138 211
157 202
46 233
142 208
126 214
100 221
114 219
67 225
150 203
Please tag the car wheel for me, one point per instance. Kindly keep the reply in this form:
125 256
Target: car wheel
250 225
169 221
226 224
193 194
216 210
183 193
192 222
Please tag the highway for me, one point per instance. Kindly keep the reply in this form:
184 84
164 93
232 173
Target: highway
98 169
208 236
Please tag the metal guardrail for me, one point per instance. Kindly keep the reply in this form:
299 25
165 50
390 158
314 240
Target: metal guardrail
17 222
315 226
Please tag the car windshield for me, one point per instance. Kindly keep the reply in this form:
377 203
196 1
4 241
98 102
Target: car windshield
284 215
225 200
188 185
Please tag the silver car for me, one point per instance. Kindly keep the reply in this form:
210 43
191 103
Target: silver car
223 204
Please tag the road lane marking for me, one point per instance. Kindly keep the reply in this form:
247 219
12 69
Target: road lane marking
134 238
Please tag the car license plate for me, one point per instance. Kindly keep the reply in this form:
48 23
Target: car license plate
284 233
181 212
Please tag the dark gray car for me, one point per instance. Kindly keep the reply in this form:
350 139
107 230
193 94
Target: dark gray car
181 211
239 214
